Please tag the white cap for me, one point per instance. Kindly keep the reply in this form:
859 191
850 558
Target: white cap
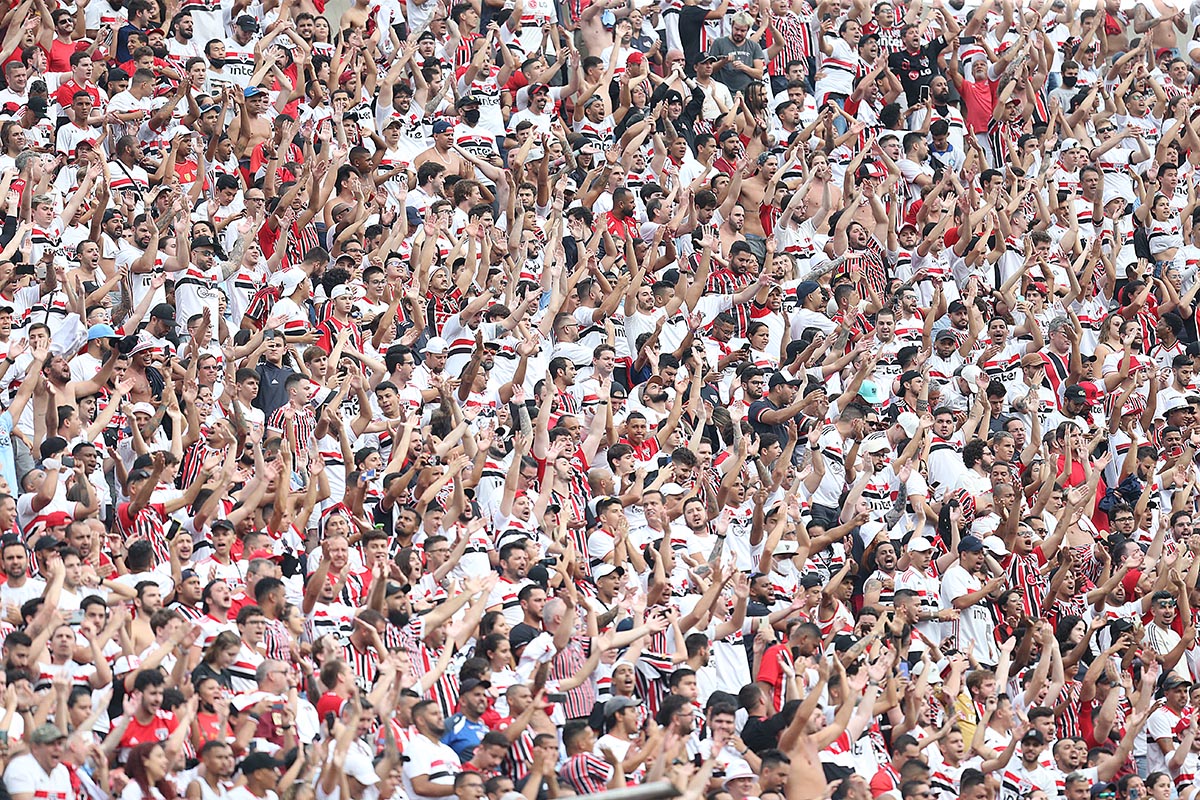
910 422
919 544
535 154
970 373
935 676
292 278
359 767
995 545
143 408
1068 144
876 443
869 530
342 290
436 346
787 548
670 489
738 769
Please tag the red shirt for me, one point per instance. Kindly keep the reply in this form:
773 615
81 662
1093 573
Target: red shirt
328 703
159 729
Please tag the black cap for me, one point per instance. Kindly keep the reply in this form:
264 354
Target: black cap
247 23
45 543
203 241
472 683
466 100
164 311
1033 735
970 544
779 379
521 635
812 580
674 97
256 761
709 58
51 445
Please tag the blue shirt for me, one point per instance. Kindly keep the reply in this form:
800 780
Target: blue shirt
463 736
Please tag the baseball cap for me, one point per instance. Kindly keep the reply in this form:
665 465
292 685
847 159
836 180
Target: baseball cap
919 544
1033 735
46 733
876 444
619 704
292 278
909 422
604 570
253 91
805 288
1068 144
341 290
780 379
247 23
466 100
436 346
256 761
164 311
264 554
143 408
101 331
203 241
441 126
473 683
969 544
970 373
521 635
1085 391
995 545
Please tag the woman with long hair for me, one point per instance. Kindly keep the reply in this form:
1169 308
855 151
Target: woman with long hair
496 650
212 714
217 658
147 770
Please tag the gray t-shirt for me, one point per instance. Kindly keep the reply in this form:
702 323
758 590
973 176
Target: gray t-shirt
747 53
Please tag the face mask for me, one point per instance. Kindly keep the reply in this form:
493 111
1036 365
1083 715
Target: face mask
217 63
471 117
1070 80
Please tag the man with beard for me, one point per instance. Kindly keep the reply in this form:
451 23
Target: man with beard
915 64
514 564
740 59
183 43
428 763
621 220
216 761
1169 645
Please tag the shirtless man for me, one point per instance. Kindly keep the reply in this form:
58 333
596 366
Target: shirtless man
822 175
442 151
251 127
751 197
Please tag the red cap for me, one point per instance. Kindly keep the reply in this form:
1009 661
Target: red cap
264 554
635 58
1091 393
58 519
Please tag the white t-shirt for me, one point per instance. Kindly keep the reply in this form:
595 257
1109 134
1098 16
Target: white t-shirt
434 760
26 776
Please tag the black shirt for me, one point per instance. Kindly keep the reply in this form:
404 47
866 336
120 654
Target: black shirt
916 69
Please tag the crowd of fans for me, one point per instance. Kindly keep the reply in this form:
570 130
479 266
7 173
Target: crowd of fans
524 399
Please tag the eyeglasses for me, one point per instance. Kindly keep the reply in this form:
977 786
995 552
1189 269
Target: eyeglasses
1105 130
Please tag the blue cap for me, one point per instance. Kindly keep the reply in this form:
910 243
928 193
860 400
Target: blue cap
441 126
251 91
871 392
101 331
